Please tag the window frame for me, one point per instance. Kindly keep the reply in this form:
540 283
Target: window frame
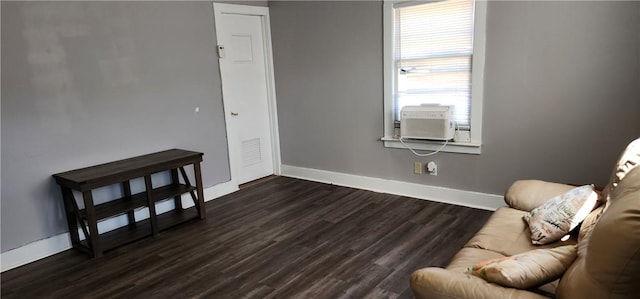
477 82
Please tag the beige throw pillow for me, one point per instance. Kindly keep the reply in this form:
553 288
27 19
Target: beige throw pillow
526 270
559 215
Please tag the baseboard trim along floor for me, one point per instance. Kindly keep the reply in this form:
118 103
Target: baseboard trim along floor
470 199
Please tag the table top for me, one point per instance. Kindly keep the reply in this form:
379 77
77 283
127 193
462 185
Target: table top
92 177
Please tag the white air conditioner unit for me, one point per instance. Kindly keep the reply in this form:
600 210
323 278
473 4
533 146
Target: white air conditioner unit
427 122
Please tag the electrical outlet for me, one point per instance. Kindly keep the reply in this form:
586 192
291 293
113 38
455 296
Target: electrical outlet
417 167
432 168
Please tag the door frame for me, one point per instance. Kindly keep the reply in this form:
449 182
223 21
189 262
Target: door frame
263 13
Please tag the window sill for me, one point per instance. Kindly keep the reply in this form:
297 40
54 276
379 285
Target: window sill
471 147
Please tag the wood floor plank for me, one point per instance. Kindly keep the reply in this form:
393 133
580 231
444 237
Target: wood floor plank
378 293
366 279
278 238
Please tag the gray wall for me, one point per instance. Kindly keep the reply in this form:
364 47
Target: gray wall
91 82
562 92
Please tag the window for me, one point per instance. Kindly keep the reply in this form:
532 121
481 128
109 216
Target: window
434 54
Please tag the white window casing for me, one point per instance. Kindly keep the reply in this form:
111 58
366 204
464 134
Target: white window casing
411 62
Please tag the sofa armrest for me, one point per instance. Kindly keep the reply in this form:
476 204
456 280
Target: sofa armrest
438 283
526 195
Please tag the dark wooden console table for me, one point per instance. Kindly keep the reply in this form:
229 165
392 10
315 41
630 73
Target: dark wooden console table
121 172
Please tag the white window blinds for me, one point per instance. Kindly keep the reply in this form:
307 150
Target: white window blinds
433 54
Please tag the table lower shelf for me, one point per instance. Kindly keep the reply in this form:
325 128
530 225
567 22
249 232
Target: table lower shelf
142 229
128 203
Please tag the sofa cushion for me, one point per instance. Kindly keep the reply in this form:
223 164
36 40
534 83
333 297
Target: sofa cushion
560 214
610 264
527 195
470 256
527 269
589 223
433 283
505 233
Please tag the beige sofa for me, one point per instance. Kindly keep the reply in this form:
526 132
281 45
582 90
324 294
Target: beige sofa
608 242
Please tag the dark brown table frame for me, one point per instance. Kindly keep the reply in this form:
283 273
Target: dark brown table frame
121 172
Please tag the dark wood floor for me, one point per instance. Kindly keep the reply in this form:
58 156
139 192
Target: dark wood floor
282 238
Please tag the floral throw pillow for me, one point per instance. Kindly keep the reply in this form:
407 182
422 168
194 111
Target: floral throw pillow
559 215
526 270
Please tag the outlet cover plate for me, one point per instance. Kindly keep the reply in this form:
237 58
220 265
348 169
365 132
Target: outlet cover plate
417 167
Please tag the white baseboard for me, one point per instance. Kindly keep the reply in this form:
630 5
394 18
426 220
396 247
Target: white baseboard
446 195
43 248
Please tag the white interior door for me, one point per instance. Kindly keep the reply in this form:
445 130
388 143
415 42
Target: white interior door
248 90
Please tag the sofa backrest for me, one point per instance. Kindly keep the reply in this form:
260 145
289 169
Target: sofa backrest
628 160
608 263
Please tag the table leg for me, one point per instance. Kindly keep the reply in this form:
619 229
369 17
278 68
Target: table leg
126 185
198 173
175 180
72 217
94 236
152 205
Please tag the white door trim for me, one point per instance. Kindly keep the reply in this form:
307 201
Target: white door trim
263 12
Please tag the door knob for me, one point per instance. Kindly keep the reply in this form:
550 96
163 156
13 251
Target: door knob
234 113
